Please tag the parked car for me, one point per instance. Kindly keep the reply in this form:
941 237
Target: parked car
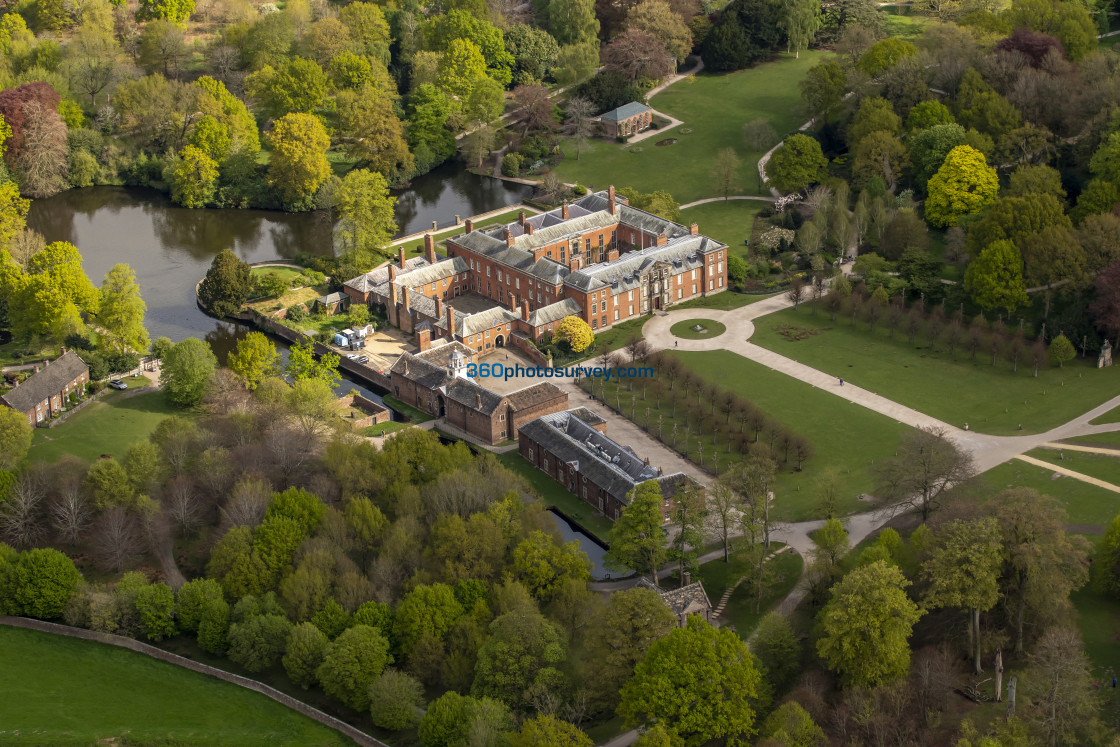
363 359
117 384
352 356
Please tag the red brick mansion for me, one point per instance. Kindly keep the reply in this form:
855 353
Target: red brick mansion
596 258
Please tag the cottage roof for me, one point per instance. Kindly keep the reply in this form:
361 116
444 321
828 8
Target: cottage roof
472 395
686 600
626 111
330 298
533 395
443 355
425 373
49 381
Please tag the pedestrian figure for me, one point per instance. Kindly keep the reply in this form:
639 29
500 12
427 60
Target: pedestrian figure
841 382
676 343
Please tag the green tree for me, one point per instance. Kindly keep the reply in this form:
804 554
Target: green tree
575 63
1015 218
885 54
299 163
44 581
395 700
823 88
156 605
963 571
832 541
626 626
365 208
452 719
981 107
875 114
549 731
1031 179
994 279
15 438
572 21
879 155
107 484
212 137
304 366
354 660
177 11
796 164
801 20
459 67
368 28
927 114
217 102
296 86
1061 350
866 625
792 726
258 642
657 17
193 177
636 540
192 599
543 565
1107 560
426 610
575 332
255 359
121 311
213 627
428 135
186 371
304 653
778 650
13 212
534 53
523 655
699 682
964 185
227 284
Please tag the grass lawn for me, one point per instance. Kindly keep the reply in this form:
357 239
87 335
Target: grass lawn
617 336
18 352
1100 466
845 438
1104 440
304 295
107 426
554 494
729 299
990 399
1112 416
685 329
729 222
417 247
904 23
68 691
287 273
717 576
410 412
1085 504
384 429
713 109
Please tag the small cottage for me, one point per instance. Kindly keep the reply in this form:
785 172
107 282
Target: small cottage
627 120
45 393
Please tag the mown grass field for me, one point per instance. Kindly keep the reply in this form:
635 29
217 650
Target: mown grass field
1086 505
108 426
991 399
1112 416
685 329
1103 440
65 691
1100 466
713 109
729 222
783 572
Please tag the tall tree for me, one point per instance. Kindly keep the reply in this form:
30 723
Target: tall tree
572 21
1042 563
1105 308
121 312
928 464
186 371
658 18
796 164
637 541
299 162
995 278
699 682
227 284
365 208
689 515
801 20
15 439
254 359
578 122
723 504
194 178
823 88
1061 688
964 185
866 625
725 172
963 571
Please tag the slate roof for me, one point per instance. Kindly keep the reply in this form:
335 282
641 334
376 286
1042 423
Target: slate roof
379 276
425 373
533 395
330 298
431 273
49 381
626 111
611 466
683 254
472 395
685 600
440 355
554 312
473 324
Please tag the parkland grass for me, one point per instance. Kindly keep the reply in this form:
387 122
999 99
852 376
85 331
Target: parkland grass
713 109
107 426
1112 416
727 221
1100 466
782 570
1103 440
64 691
1088 507
725 301
687 329
846 439
991 399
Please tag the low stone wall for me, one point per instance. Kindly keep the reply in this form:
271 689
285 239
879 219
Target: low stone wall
157 653
76 408
376 412
523 344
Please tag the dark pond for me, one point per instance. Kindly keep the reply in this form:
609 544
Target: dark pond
595 552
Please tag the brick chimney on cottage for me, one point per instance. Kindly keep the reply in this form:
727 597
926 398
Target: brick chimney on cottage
430 248
400 256
439 309
392 273
509 237
694 229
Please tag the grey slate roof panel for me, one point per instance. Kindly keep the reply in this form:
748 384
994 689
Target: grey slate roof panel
49 381
626 111
554 312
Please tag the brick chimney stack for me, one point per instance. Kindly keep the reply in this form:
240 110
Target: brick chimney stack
478 400
400 256
469 225
392 273
610 200
525 310
573 264
450 322
694 229
393 294
564 211
404 297
529 228
662 239
521 217
430 248
509 238
439 309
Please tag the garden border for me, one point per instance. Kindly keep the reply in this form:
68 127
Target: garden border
235 679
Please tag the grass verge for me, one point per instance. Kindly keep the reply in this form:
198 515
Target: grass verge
1100 466
990 399
554 494
69 691
728 221
1112 416
414 416
685 330
1104 440
784 570
729 299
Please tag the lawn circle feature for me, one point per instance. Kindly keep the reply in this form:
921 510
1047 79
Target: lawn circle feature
685 130
697 329
666 141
